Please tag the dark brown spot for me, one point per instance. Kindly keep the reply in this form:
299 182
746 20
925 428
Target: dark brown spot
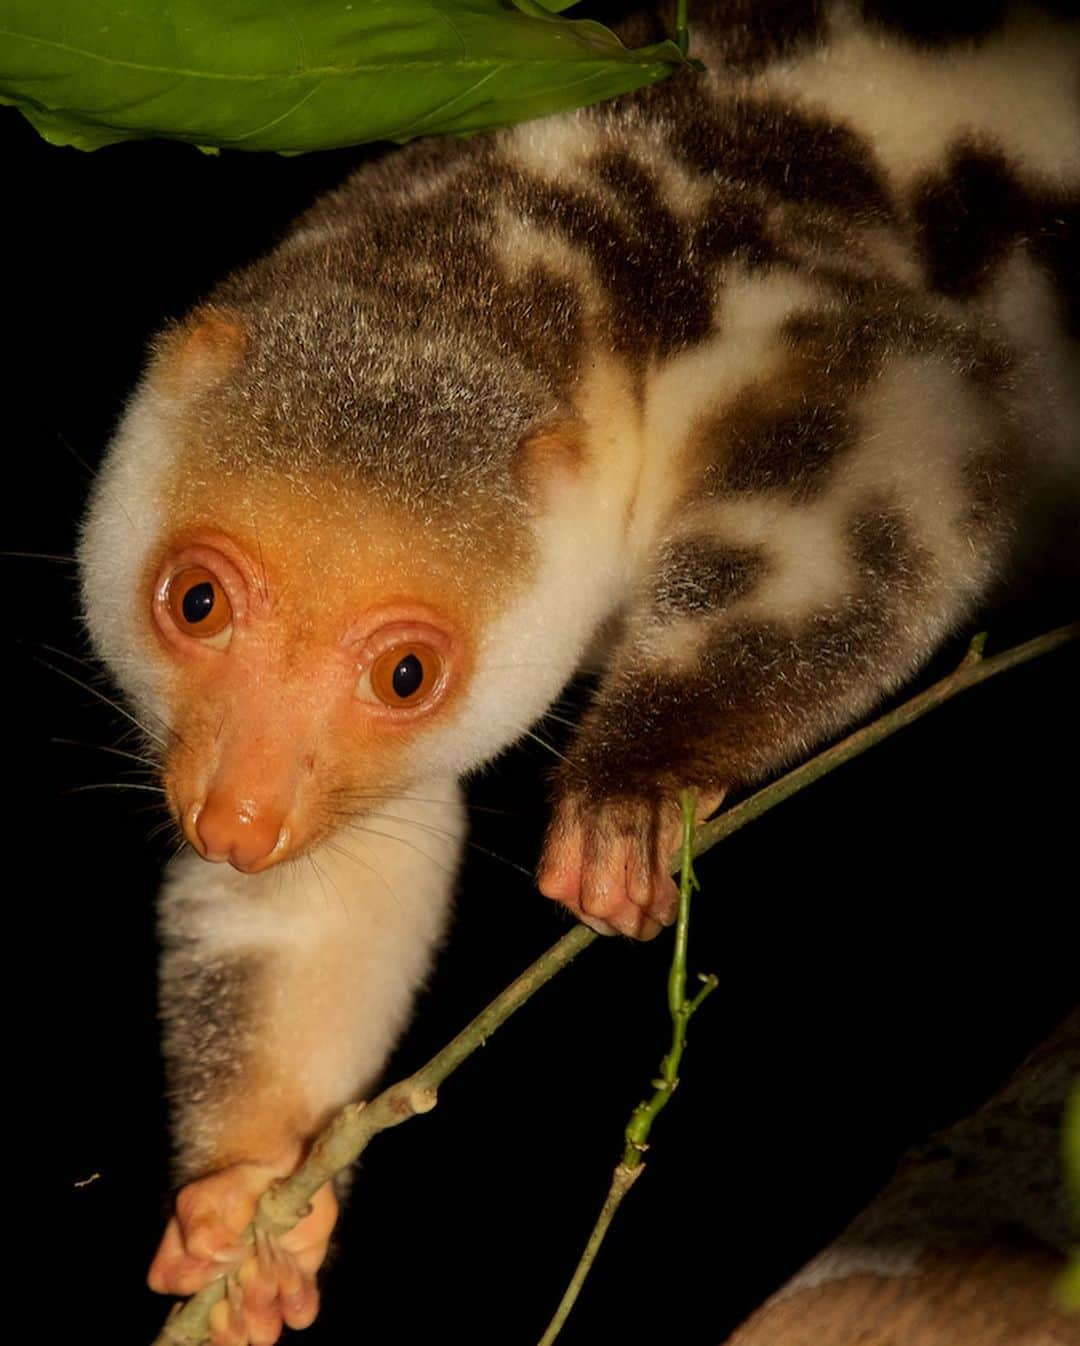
656 298
788 154
968 218
887 556
672 288
732 227
697 576
995 481
753 33
838 349
542 319
762 695
844 344
757 445
586 224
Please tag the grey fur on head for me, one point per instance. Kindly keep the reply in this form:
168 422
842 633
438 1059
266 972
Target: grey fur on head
431 414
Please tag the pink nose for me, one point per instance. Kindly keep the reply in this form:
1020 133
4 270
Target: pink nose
237 831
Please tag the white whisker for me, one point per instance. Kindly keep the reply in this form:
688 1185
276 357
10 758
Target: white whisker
342 849
106 700
544 744
360 829
105 747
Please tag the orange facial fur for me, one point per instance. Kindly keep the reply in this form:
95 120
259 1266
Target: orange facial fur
278 735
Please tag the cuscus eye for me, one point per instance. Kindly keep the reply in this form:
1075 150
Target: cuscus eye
403 676
198 604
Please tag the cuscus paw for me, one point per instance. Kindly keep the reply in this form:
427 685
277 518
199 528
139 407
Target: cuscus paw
273 1290
608 862
270 1284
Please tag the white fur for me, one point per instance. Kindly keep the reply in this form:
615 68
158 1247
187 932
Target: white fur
125 519
556 149
921 421
808 567
347 936
1016 90
1023 302
540 638
520 244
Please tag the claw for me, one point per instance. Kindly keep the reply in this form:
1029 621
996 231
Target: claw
608 862
270 1284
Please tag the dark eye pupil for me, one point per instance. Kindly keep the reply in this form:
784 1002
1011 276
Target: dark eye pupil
198 602
408 676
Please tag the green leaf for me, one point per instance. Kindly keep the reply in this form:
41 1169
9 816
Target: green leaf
295 75
551 6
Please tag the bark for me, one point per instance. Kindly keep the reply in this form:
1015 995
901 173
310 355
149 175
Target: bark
966 1244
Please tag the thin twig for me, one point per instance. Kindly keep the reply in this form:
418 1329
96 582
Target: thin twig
972 670
682 31
681 1008
622 1179
348 1134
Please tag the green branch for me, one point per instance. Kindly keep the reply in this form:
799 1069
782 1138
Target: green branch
350 1132
681 1009
682 31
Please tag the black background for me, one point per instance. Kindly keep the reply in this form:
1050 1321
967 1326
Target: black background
888 945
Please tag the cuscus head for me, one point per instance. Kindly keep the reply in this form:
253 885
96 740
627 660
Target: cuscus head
304 562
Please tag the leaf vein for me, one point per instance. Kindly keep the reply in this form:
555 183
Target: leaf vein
327 72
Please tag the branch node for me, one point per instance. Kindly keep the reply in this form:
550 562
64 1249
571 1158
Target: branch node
975 649
423 1100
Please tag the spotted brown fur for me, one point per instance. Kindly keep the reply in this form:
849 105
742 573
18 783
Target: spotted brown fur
744 381
760 444
783 152
781 186
208 1007
696 577
757 701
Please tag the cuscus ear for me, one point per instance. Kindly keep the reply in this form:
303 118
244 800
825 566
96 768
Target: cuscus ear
199 351
551 455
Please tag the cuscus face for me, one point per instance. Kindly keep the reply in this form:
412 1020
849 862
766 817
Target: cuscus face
311 633
304 660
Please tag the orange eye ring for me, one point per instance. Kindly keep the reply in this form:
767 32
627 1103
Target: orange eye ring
198 604
406 675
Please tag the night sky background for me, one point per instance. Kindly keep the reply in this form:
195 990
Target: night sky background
889 945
